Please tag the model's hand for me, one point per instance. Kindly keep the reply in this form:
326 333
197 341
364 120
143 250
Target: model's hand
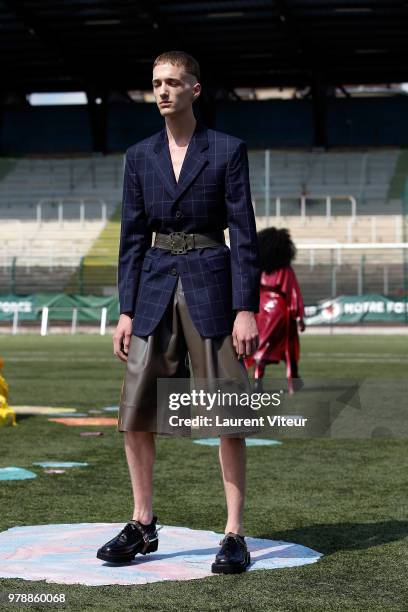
245 333
302 325
121 338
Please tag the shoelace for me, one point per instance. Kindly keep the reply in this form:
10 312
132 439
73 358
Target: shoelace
125 531
226 541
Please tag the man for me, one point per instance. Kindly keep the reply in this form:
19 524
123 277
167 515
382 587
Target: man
188 293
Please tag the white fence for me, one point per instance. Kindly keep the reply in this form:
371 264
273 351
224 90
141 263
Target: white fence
73 328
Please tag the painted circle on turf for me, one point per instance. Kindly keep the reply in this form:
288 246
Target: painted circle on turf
66 554
249 442
60 464
31 410
16 473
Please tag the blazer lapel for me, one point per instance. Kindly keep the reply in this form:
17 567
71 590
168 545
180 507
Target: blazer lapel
194 161
162 162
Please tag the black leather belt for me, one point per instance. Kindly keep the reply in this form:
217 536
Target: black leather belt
180 242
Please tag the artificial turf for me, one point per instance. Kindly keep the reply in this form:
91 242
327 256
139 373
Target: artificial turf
346 498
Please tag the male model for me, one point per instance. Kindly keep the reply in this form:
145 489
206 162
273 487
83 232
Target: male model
188 293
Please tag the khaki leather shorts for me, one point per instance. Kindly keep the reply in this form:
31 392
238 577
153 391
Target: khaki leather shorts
163 354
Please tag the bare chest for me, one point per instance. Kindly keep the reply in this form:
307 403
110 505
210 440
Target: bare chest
177 157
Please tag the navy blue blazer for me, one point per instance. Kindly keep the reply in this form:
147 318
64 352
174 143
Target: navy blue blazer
212 193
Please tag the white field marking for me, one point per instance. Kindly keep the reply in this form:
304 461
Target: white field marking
305 352
365 360
32 356
336 354
112 360
47 352
75 358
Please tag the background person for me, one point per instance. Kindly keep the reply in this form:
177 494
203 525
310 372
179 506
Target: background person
281 309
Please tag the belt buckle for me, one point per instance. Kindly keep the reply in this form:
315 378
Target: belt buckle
178 243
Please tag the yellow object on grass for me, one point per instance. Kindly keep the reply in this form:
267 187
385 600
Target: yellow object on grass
7 414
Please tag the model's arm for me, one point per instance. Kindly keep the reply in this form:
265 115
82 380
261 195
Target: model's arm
245 261
135 239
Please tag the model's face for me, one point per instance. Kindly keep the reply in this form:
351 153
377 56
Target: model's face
174 89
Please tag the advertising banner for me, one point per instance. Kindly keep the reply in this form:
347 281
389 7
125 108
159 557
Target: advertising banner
356 309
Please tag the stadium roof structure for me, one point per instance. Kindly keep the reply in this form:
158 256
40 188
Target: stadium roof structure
105 45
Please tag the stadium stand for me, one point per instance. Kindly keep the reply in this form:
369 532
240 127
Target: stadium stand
26 182
364 175
35 241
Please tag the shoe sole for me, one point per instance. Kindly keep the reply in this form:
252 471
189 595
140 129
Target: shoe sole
126 559
222 568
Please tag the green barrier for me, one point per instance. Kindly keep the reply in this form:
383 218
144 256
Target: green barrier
343 309
356 309
60 307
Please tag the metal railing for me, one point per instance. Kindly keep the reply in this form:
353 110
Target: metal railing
70 201
21 275
381 259
302 200
308 178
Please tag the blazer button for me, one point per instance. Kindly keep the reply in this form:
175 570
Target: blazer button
178 214
173 271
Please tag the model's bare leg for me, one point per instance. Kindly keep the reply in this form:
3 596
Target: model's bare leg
232 454
140 454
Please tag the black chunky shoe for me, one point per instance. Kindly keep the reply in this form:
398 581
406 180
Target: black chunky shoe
134 538
233 556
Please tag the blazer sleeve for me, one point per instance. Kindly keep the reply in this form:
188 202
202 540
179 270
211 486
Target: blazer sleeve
245 258
135 237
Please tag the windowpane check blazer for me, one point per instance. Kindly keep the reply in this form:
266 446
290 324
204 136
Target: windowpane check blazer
212 193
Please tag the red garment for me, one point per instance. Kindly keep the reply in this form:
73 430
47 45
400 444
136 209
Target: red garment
281 304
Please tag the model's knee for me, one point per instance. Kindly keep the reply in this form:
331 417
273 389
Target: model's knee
138 437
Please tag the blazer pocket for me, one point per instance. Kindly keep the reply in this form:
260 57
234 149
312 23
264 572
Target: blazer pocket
218 262
202 192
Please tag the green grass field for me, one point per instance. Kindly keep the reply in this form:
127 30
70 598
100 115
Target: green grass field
344 498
